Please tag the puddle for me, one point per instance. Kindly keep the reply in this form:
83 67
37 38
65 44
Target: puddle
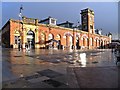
83 59
32 76
53 83
49 73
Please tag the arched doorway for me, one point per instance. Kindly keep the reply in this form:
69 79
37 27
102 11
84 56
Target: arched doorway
99 43
96 43
84 41
50 38
77 43
31 39
87 43
102 44
58 38
69 40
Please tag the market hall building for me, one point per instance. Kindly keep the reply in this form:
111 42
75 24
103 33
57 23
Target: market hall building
48 34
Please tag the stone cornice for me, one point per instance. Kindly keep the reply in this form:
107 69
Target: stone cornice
58 27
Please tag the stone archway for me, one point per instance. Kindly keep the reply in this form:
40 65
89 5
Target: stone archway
84 42
58 38
69 40
105 44
31 39
77 43
87 43
101 44
96 43
50 38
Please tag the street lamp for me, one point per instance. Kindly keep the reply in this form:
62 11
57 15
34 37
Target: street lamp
20 22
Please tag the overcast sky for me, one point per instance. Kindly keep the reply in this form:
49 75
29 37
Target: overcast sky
106 13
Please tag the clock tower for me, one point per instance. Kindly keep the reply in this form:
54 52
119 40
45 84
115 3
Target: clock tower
87 20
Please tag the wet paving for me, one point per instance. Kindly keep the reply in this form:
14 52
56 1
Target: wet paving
48 67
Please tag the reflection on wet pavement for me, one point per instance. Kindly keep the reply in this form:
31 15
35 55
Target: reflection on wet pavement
16 62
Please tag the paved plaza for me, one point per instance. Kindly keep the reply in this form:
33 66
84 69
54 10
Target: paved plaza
40 68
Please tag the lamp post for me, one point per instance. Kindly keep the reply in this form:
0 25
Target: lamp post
20 18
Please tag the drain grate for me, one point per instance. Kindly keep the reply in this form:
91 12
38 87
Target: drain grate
49 73
53 83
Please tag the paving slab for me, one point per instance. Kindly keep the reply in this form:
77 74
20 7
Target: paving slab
16 84
40 85
62 79
96 77
71 79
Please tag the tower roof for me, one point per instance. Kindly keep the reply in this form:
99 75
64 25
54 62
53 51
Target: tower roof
87 10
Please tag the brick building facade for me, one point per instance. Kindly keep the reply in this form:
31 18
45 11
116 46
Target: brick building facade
47 34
